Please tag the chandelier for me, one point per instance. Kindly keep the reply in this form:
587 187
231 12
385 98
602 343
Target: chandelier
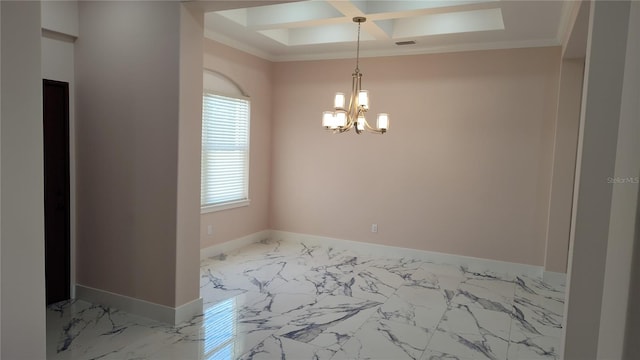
343 119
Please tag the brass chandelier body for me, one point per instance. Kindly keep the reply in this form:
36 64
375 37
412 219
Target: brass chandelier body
344 119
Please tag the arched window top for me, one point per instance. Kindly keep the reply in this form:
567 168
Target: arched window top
221 84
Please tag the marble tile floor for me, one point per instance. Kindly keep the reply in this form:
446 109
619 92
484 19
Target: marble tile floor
277 300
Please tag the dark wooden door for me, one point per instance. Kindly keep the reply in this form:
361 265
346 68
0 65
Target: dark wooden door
56 190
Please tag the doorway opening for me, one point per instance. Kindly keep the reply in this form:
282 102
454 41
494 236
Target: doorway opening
57 235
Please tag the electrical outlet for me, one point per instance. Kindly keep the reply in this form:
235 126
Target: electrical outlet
209 229
374 228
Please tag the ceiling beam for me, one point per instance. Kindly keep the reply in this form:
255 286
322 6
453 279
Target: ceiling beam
350 10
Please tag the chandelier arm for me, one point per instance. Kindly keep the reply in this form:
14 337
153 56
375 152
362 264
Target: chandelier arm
350 114
372 129
367 126
340 131
353 106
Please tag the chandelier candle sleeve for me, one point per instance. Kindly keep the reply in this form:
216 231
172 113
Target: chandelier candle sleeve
345 118
363 99
328 119
383 121
360 124
339 101
341 118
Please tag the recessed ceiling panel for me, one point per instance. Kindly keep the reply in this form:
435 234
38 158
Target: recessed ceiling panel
279 35
448 23
413 6
386 26
284 15
317 35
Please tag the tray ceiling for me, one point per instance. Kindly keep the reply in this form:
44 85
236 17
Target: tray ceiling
320 29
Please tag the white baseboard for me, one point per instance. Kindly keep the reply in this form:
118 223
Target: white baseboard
186 312
229 246
555 278
505 269
139 307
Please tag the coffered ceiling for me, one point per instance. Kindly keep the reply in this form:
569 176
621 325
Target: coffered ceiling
323 29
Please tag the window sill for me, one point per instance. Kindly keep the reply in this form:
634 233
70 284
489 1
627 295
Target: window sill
225 206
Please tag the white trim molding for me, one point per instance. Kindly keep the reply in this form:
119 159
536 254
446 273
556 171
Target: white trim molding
570 10
232 245
163 313
504 269
226 206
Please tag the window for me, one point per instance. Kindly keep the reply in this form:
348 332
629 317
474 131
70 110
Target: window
225 152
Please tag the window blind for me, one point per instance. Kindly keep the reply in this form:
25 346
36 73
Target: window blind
225 150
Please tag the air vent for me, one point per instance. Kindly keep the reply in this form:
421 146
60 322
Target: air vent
410 42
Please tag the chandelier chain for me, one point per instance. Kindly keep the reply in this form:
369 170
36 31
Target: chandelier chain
358 51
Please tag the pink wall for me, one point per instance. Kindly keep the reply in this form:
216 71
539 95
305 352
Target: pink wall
465 168
254 76
134 236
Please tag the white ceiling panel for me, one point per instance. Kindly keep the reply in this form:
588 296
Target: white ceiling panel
448 23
